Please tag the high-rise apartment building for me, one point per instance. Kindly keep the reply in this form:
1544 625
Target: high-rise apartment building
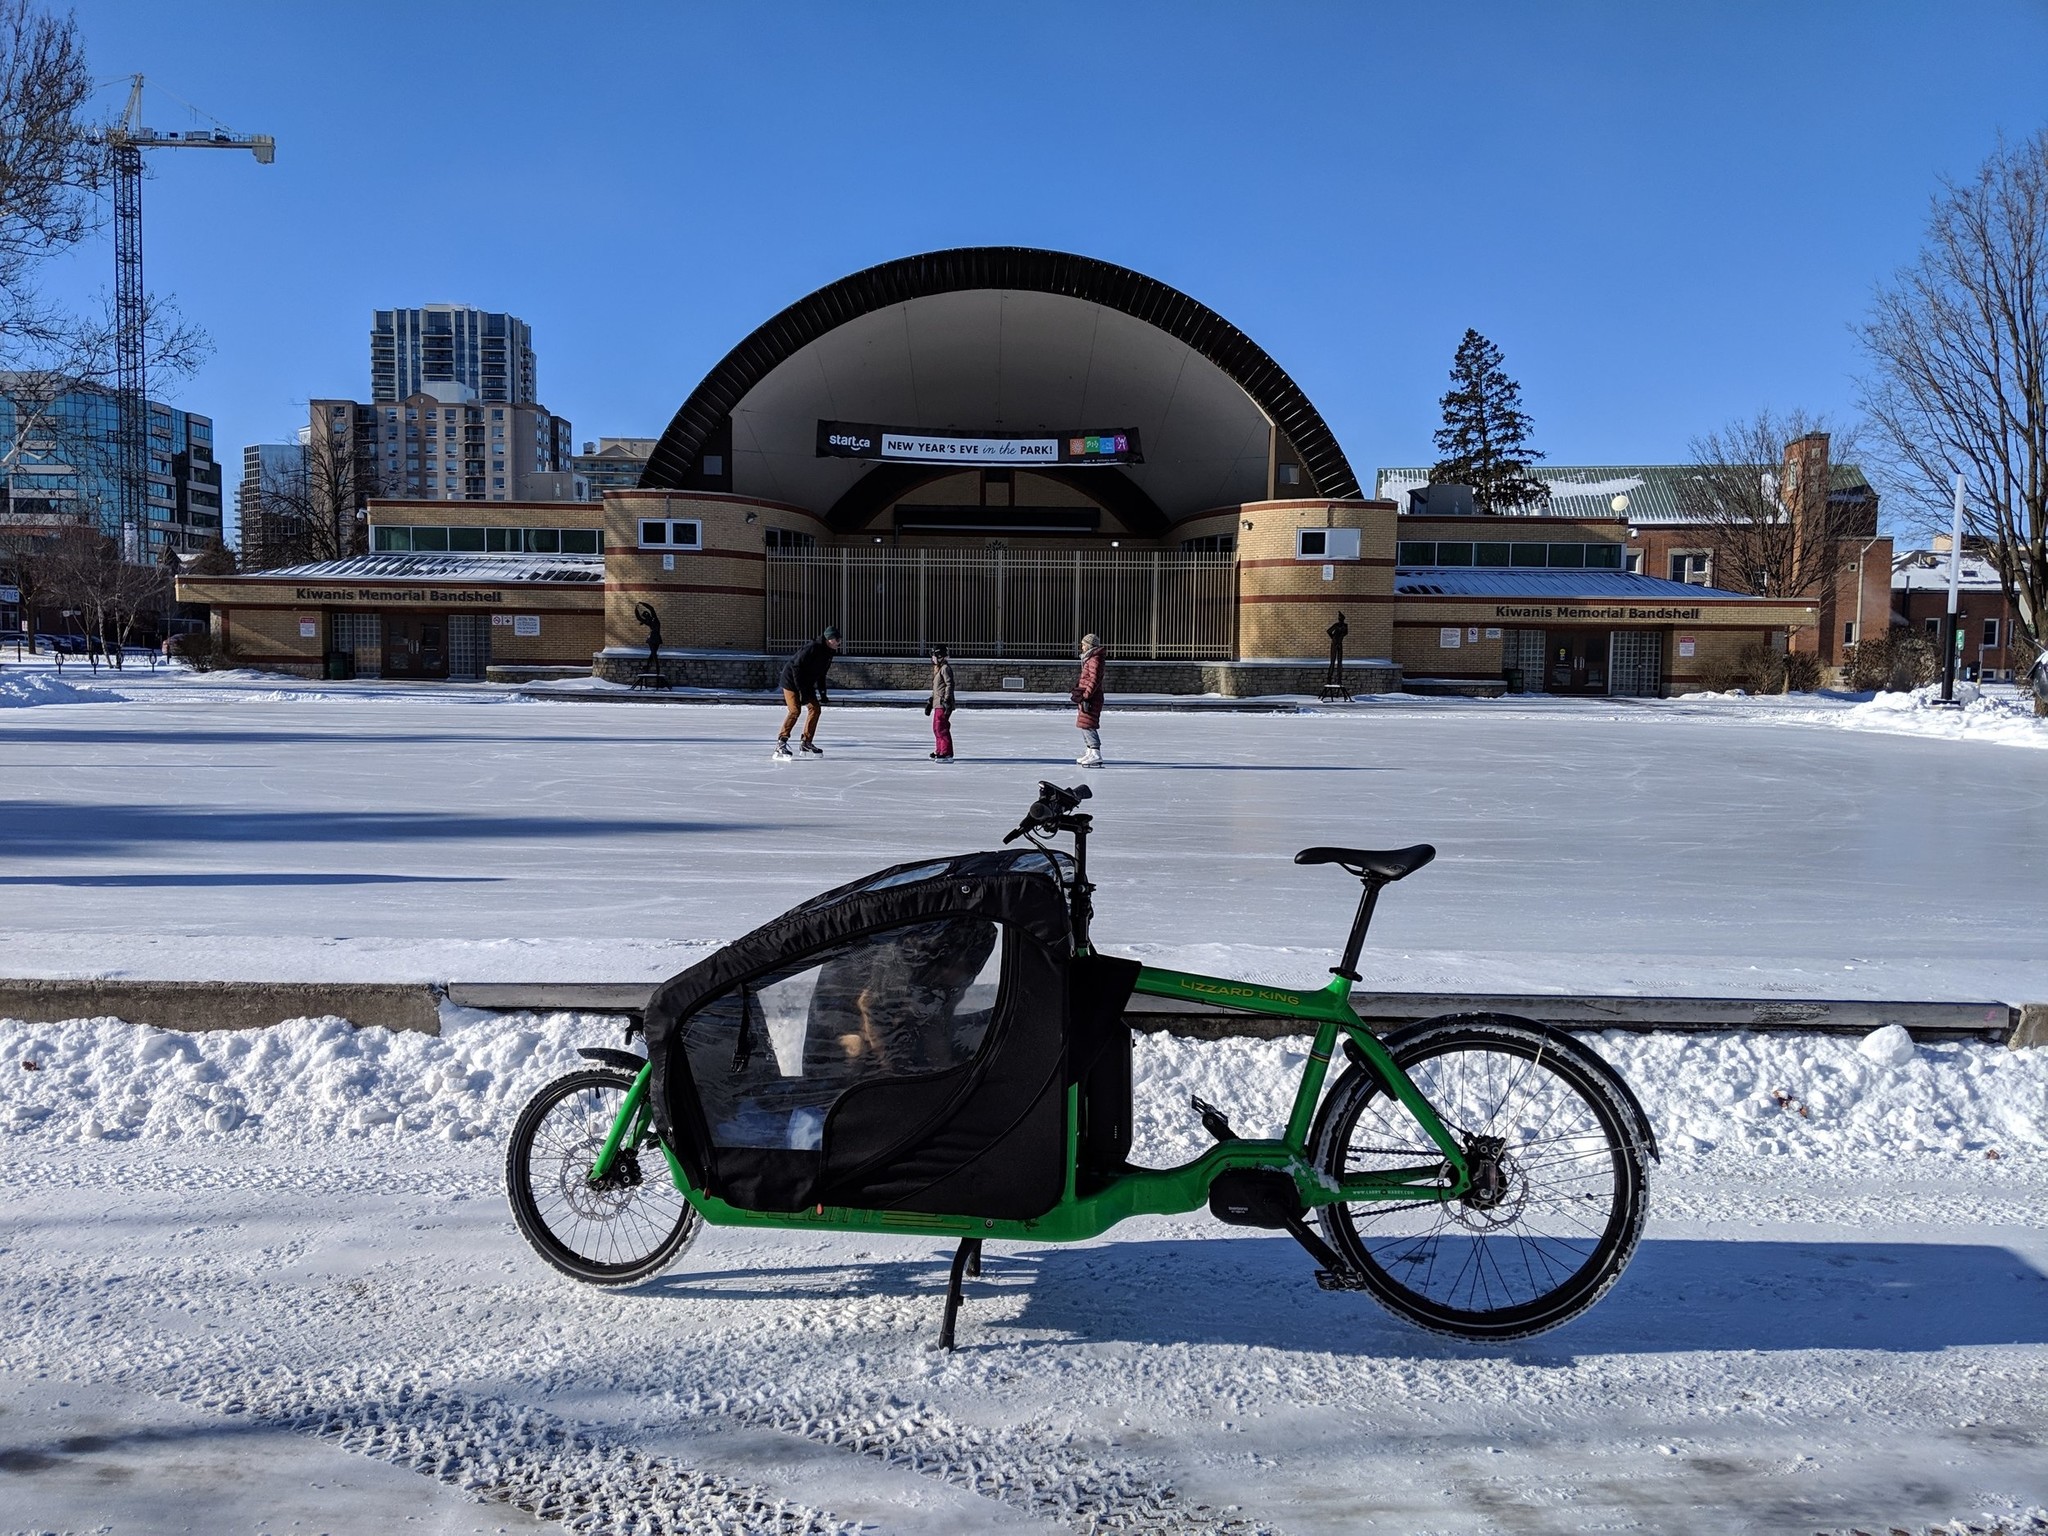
442 445
273 480
60 454
439 344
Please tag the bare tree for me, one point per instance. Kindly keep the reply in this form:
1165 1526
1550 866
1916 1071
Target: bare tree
314 510
1770 538
52 168
1959 348
110 593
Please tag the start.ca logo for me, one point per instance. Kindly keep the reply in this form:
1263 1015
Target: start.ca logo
848 440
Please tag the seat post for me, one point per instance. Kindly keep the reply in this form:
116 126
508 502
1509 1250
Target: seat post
1367 900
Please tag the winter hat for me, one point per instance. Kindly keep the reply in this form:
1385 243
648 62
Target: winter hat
939 652
831 632
1091 642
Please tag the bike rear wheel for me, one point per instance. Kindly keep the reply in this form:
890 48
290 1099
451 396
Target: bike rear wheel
1560 1166
632 1226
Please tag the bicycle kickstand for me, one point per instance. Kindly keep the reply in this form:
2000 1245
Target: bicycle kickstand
966 1260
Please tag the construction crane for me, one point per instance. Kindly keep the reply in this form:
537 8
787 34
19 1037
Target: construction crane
127 138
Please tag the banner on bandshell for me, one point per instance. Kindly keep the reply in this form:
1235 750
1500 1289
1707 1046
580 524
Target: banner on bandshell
900 445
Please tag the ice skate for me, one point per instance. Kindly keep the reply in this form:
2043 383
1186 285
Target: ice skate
782 754
1090 759
814 751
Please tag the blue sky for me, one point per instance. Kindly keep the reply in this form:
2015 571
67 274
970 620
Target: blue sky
1666 215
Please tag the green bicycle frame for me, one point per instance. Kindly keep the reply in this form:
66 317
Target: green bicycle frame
1141 1191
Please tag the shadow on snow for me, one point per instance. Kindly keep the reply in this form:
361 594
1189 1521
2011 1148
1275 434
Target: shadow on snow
1678 1296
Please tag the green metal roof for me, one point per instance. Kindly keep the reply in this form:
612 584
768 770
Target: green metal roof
1589 490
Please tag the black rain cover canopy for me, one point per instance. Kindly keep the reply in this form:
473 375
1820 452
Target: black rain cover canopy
899 1043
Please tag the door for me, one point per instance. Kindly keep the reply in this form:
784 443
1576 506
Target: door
1578 661
415 645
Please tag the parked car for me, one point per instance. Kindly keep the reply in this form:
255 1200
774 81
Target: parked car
70 645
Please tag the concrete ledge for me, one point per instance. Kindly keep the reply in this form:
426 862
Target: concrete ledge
1923 1020
206 1005
202 1005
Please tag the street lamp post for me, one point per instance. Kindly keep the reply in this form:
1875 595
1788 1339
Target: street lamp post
1955 570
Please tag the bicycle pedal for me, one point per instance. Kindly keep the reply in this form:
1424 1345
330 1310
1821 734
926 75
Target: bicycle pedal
1213 1120
1340 1280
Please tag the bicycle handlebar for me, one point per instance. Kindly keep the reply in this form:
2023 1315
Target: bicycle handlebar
1052 803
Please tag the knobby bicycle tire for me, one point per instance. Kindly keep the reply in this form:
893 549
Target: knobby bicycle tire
1572 1179
613 1236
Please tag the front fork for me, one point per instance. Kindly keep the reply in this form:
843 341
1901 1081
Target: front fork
632 1128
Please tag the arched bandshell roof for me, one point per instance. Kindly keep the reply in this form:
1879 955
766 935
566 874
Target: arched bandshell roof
994 270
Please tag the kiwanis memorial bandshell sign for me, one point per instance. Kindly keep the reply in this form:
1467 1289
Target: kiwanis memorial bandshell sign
436 596
1594 613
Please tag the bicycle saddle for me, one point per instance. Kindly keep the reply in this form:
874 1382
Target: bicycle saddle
1371 864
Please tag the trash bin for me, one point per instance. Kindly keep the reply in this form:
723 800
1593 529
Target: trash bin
1514 678
341 666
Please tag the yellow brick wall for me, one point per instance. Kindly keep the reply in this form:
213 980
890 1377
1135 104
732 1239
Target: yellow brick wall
714 597
1284 606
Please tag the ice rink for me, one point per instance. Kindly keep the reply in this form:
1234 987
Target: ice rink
240 830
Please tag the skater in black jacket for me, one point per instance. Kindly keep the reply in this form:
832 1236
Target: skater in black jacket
803 685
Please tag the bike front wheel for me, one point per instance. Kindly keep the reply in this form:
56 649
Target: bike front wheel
1560 1163
632 1225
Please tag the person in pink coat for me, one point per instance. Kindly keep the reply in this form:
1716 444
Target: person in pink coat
1088 700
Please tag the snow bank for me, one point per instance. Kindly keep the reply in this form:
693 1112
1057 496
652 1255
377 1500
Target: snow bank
1975 716
1804 1096
21 690
308 1079
1798 1096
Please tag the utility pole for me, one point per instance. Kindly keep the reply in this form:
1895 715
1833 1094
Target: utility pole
127 138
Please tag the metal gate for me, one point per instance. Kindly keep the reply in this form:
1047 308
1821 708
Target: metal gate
362 636
1028 604
469 644
1635 663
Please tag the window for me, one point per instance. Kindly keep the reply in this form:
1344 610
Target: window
1848 631
579 541
543 541
391 540
1289 474
1326 543
1415 552
1526 555
678 533
1603 557
1690 567
1491 554
714 464
1210 544
1934 628
787 539
430 538
1453 554
1633 561
1991 631
1567 556
498 415
468 541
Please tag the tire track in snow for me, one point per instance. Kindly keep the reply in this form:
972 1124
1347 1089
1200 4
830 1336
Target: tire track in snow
493 1450
1034 1468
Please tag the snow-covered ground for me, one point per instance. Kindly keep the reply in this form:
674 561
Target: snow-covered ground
221 1250
268 1280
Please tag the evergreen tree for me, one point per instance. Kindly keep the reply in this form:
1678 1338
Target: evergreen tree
1484 436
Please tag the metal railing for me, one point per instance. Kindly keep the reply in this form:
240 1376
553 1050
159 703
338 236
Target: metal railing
1147 605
